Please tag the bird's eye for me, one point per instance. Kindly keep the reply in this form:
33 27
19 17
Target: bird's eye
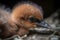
33 19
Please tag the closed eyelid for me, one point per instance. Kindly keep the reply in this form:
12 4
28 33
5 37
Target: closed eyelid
33 19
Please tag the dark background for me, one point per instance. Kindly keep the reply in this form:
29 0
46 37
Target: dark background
49 6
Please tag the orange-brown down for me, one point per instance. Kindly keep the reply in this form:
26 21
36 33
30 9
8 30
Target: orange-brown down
19 23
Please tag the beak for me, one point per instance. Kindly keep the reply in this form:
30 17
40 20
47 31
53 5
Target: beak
41 27
43 24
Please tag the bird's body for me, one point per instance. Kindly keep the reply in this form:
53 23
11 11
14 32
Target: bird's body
6 29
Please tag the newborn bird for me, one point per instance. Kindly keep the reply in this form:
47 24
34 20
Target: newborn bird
23 18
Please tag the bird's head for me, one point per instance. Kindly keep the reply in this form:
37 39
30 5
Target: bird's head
28 16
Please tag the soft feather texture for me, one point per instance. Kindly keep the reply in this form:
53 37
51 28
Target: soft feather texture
18 22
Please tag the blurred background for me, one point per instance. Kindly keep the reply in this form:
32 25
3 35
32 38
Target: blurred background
51 11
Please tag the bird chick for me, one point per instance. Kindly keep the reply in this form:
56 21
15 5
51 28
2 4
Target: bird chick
23 18
27 16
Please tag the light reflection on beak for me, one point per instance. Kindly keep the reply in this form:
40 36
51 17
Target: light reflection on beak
43 24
